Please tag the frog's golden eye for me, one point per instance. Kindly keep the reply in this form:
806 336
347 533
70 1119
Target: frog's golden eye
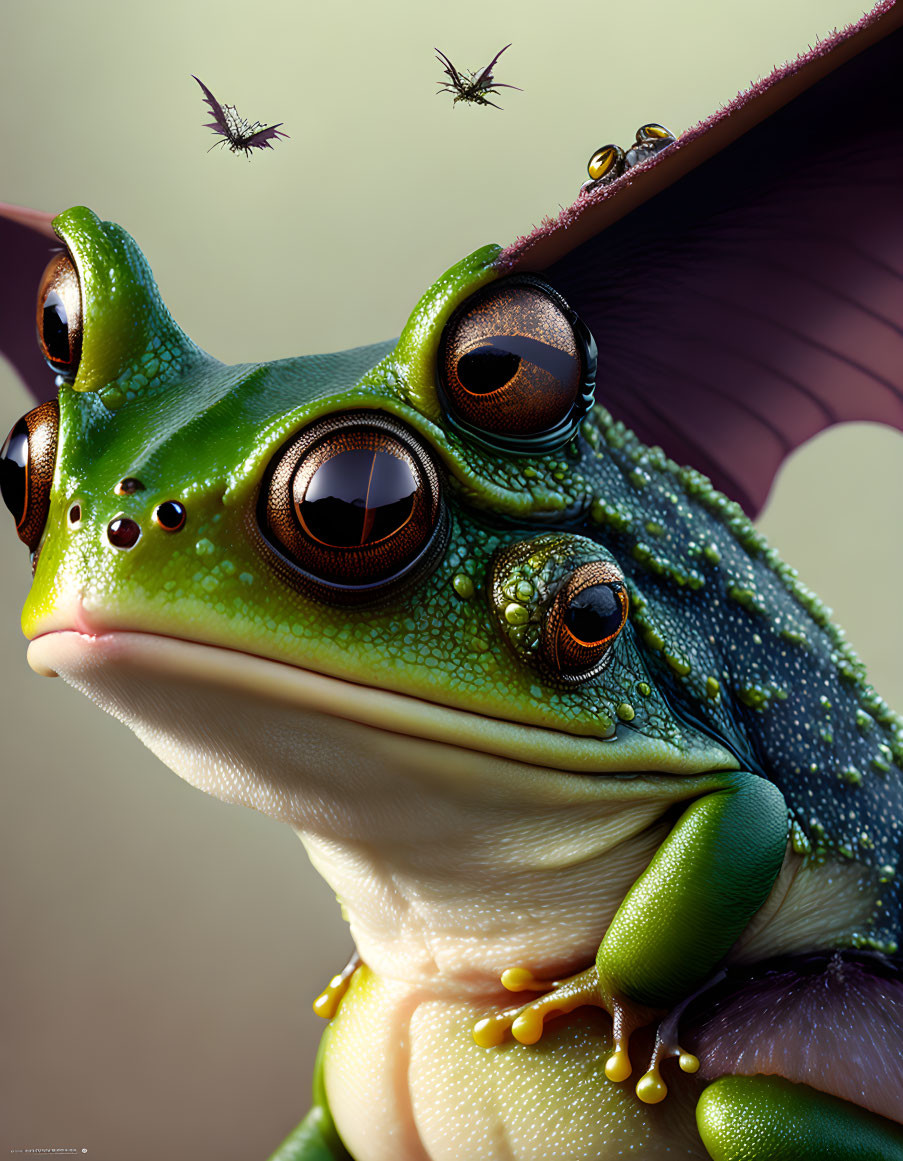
353 504
517 367
607 161
59 316
587 614
653 132
27 460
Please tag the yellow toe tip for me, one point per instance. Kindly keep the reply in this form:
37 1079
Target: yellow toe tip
516 979
488 1032
325 1005
618 1067
527 1028
688 1062
651 1089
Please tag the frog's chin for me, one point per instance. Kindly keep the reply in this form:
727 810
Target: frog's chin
302 747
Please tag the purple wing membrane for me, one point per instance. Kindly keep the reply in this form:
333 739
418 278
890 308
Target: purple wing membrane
219 123
263 137
840 1020
450 69
745 286
27 242
486 74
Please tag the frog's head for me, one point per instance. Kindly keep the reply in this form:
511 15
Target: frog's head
379 542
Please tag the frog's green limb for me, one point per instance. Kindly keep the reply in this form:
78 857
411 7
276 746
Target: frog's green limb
678 920
681 916
767 1118
704 884
316 1138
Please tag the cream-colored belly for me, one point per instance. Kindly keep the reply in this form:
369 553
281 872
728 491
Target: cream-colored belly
406 1082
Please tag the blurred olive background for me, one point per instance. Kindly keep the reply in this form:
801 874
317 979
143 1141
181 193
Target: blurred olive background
160 950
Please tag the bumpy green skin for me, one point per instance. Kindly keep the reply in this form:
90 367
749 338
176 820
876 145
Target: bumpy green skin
728 847
745 1118
724 650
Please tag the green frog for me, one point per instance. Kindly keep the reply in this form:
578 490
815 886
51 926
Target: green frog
613 814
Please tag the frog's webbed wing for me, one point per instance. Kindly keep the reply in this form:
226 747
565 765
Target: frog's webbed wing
27 242
745 285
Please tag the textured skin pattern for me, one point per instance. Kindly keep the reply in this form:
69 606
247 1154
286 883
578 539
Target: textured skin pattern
768 1119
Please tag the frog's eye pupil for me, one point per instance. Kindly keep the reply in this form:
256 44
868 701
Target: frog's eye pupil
594 615
13 470
486 369
584 619
55 328
357 497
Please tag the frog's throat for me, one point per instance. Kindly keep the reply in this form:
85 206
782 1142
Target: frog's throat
270 735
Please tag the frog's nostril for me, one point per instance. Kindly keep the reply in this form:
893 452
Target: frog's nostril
75 514
128 486
123 533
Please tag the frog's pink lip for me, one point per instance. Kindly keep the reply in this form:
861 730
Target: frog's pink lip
80 656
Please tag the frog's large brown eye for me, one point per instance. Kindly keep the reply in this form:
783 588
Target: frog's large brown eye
59 317
517 367
353 504
27 459
587 614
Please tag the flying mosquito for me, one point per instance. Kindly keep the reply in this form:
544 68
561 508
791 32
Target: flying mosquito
236 132
473 88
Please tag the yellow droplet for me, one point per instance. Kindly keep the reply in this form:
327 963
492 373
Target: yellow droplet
517 979
688 1062
527 1028
618 1066
489 1032
651 1089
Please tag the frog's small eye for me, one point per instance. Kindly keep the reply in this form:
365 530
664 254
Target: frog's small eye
59 316
607 161
27 460
587 614
516 367
353 505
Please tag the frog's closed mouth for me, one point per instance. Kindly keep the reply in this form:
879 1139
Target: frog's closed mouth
177 694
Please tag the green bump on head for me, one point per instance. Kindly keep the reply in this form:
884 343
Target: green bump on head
463 585
416 354
130 339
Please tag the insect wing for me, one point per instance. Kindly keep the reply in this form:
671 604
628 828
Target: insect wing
484 78
263 138
450 71
219 124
